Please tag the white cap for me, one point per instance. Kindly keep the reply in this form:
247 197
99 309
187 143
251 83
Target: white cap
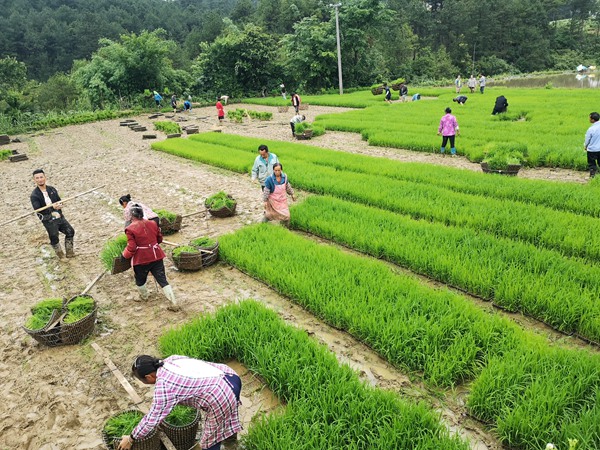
550 446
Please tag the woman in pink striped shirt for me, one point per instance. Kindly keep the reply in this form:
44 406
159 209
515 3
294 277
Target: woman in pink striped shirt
449 130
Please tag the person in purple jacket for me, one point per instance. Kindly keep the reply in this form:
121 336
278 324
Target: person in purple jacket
448 129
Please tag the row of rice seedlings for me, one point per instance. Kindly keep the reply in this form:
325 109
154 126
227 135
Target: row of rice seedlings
412 325
518 276
113 248
260 115
539 395
579 198
569 233
413 125
327 406
167 127
78 308
41 313
220 200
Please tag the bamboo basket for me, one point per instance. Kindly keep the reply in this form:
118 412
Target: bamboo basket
183 437
208 259
167 227
74 333
222 212
48 335
187 261
307 134
150 442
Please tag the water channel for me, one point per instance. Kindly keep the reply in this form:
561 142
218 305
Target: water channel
586 80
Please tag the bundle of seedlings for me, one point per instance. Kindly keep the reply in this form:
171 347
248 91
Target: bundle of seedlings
167 127
79 321
260 115
237 116
110 255
181 426
187 257
169 222
306 130
211 245
122 425
221 205
42 312
4 154
78 308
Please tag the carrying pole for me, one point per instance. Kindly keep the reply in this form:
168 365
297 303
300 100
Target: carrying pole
50 206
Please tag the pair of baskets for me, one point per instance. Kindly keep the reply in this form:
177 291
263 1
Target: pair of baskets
223 211
193 261
56 332
167 227
182 437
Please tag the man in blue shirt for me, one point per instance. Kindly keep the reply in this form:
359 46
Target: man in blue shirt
592 144
263 165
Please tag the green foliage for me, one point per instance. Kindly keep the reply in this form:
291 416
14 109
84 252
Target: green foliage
167 127
122 424
181 416
327 406
219 200
317 129
59 93
177 251
166 215
237 115
203 242
78 308
42 312
501 156
4 154
259 115
113 249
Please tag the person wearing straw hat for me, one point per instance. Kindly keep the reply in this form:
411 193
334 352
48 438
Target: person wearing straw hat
213 388
143 237
52 218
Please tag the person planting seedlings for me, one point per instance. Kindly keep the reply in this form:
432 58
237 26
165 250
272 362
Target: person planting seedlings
213 388
125 202
449 130
295 121
500 106
263 165
52 218
143 237
275 198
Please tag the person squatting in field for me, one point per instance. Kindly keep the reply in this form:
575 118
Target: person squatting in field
143 237
263 165
52 218
449 130
213 388
126 203
277 186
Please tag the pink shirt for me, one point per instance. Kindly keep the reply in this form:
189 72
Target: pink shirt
448 125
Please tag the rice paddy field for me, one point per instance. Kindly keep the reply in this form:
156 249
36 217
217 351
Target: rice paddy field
546 125
364 241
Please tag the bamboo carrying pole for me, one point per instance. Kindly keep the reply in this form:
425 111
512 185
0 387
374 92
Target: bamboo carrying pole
50 206
137 400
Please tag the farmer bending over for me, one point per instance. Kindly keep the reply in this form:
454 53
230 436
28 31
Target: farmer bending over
296 120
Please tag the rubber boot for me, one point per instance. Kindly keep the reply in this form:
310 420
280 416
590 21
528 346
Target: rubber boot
442 149
59 251
168 291
143 290
453 151
69 248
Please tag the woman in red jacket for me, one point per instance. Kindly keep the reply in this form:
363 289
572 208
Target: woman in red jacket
143 237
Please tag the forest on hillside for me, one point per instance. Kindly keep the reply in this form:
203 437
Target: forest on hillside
77 54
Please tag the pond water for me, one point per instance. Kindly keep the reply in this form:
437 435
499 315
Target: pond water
563 80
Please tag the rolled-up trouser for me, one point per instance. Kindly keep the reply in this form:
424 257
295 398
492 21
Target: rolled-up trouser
157 268
54 226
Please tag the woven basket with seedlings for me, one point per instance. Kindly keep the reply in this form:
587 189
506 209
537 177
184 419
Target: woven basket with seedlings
210 245
181 426
42 312
110 255
221 205
79 321
169 222
187 257
123 424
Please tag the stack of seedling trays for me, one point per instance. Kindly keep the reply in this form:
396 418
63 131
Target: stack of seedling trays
511 169
57 322
187 258
221 205
169 222
211 247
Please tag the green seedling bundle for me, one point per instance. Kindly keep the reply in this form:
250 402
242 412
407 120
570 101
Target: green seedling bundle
113 249
4 154
518 276
413 326
572 197
181 415
166 215
78 308
177 251
551 143
317 129
571 234
220 200
122 424
41 313
327 406
203 242
167 127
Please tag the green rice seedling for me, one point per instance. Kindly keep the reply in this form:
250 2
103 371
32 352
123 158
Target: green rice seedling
41 313
317 129
167 127
327 406
177 251
203 242
411 325
78 308
219 200
260 115
112 249
236 115
167 215
122 424
4 154
181 416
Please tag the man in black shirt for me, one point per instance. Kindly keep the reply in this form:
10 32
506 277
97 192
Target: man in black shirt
52 218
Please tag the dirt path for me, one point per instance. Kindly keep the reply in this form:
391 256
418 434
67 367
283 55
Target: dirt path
59 398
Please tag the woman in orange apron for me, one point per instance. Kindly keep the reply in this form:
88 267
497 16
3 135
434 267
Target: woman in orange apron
277 187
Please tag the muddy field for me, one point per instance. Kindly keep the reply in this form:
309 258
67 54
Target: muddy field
59 398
